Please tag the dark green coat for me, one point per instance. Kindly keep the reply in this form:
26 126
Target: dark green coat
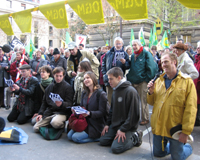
142 69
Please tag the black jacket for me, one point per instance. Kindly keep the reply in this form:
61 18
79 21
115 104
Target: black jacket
107 64
124 111
29 93
97 108
65 91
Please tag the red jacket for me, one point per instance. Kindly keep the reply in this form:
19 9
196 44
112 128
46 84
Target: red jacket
13 70
197 81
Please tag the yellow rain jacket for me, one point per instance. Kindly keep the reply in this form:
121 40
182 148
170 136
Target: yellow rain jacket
176 105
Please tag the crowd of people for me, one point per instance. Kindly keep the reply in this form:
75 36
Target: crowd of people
113 84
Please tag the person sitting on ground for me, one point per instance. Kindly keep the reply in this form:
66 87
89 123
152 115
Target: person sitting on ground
46 79
55 113
97 111
24 106
122 123
36 64
14 67
83 67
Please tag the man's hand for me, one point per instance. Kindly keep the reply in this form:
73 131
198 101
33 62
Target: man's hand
151 87
35 115
58 103
16 87
121 135
73 74
38 118
34 73
123 61
105 130
183 138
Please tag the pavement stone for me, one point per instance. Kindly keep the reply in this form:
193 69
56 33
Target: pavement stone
62 149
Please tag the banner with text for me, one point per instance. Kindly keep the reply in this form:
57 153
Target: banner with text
5 24
130 9
23 20
90 11
55 13
81 39
193 4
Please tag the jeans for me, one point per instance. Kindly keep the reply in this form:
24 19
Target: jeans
80 137
178 150
117 147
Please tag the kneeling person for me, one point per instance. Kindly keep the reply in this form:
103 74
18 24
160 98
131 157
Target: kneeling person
121 126
55 113
24 106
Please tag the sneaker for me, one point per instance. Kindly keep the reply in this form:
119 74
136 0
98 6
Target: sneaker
140 134
7 107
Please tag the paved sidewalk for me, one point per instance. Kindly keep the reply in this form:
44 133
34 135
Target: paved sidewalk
62 149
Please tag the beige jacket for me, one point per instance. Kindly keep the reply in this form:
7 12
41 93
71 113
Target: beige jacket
81 55
186 65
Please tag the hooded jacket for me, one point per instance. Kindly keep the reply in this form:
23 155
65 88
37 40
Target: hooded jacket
124 111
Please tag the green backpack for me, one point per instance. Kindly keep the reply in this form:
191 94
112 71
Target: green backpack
50 133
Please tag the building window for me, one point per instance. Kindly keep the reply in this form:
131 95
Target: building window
23 38
23 6
50 43
35 26
186 38
50 31
9 4
36 42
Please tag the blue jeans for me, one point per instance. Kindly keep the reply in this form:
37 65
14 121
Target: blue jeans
178 150
80 137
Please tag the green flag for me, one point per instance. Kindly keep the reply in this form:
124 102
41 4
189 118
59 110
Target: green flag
141 36
164 42
30 48
161 27
132 36
150 39
154 39
68 38
107 44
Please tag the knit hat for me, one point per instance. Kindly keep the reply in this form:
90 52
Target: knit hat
56 51
6 48
180 46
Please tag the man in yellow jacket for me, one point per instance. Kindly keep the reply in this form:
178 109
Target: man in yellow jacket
174 100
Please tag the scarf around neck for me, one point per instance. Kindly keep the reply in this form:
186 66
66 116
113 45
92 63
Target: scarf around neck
137 53
46 82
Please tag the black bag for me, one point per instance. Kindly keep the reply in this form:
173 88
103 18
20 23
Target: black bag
50 133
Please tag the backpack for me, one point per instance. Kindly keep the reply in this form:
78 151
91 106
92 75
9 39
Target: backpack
108 105
50 133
